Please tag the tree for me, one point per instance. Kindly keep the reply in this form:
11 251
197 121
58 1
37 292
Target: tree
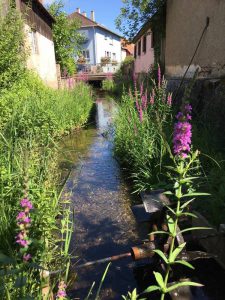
135 13
66 38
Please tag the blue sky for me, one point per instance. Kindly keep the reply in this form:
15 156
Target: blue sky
106 11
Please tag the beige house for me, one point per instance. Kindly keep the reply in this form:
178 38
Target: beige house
38 27
186 27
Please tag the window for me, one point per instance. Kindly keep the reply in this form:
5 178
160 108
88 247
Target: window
152 40
135 51
144 46
106 37
114 56
86 54
139 48
34 44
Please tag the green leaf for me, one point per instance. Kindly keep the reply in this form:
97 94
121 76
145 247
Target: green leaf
159 232
162 255
171 224
195 194
180 284
187 203
189 215
170 209
176 252
152 289
159 280
185 263
188 179
168 193
195 228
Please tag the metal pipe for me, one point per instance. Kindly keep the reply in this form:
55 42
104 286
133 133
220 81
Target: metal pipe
103 260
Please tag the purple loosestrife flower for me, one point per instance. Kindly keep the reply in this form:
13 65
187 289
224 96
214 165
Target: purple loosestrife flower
61 294
26 203
182 133
141 114
159 76
169 99
27 257
141 89
152 98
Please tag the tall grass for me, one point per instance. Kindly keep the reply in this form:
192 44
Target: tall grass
33 118
142 121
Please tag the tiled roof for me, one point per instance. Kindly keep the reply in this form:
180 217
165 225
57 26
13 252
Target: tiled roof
86 22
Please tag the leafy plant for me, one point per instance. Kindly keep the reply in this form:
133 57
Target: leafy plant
66 38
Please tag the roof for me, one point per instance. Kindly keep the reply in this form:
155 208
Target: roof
129 47
87 22
142 31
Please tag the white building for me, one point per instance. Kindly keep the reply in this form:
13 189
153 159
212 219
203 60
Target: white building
102 47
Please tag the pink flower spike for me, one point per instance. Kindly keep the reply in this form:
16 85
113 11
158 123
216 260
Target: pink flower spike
169 99
141 114
27 257
159 76
26 203
21 215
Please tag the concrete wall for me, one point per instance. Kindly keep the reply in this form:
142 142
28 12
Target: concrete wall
145 60
184 25
43 62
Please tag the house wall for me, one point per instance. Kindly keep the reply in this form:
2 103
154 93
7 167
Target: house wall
184 25
90 43
144 61
124 54
43 62
107 42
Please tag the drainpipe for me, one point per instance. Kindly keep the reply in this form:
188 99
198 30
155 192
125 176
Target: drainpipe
95 46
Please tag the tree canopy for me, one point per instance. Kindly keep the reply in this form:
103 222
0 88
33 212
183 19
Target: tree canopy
66 38
135 13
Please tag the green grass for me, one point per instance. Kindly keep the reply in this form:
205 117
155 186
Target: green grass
33 118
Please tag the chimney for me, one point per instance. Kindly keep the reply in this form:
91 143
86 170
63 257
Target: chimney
84 14
93 15
78 10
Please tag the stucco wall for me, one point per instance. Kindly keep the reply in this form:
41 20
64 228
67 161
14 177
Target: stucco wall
43 62
103 45
90 43
184 25
145 60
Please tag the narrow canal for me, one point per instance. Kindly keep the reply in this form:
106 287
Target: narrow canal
104 223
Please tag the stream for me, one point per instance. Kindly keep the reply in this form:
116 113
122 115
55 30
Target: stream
104 223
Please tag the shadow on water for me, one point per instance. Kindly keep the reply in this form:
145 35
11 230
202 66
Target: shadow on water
104 223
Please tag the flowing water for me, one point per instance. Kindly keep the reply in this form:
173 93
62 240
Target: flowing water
104 223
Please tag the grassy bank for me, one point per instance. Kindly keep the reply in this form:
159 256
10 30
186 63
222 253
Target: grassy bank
33 118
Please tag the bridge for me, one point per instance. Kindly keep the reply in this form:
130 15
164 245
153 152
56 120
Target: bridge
70 82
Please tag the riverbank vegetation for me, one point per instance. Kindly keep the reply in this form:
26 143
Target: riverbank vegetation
35 222
144 118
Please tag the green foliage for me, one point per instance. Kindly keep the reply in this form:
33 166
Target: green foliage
12 63
66 38
137 12
181 190
139 144
108 85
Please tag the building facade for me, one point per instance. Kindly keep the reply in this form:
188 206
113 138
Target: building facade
39 40
101 48
185 22
144 49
